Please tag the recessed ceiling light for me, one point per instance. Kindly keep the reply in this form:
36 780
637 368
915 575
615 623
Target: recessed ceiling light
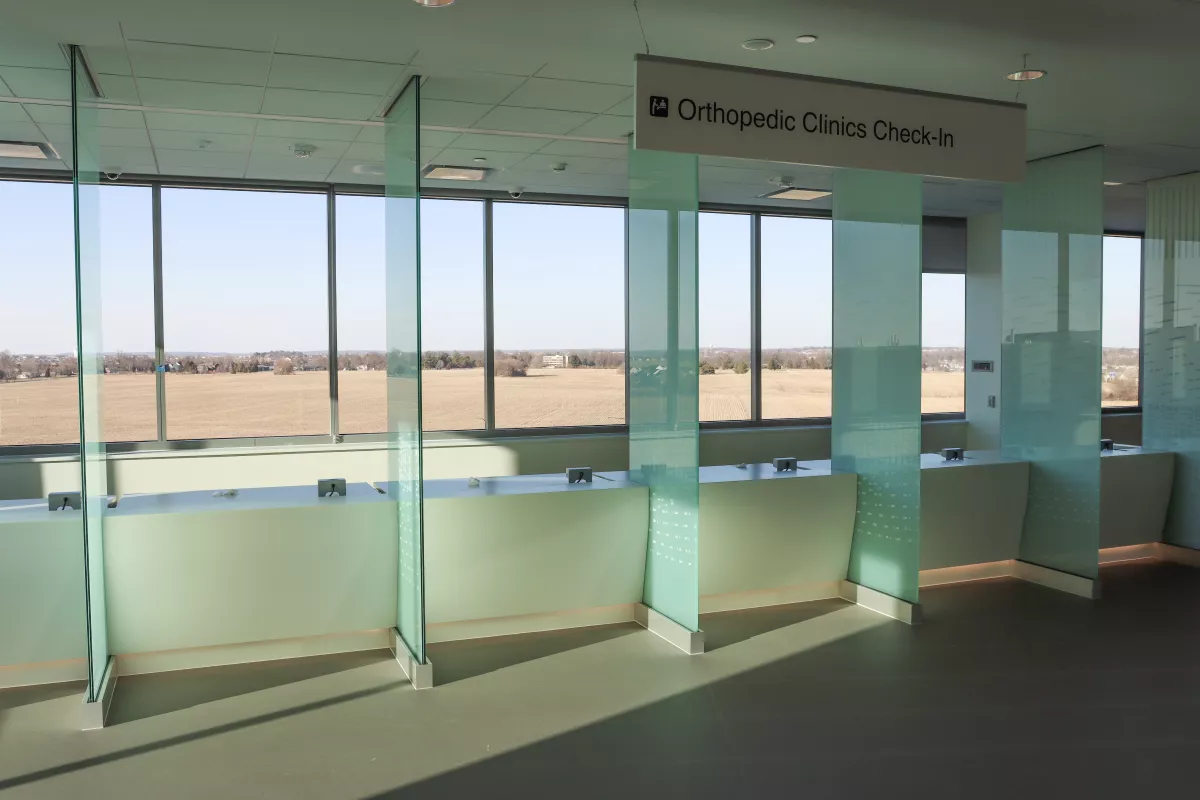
27 150
758 44
438 172
479 160
1026 75
434 3
807 38
1112 183
792 193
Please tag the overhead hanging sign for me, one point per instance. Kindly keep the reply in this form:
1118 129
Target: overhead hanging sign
717 110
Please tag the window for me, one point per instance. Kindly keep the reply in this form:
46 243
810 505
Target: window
39 398
725 327
452 315
1121 332
797 317
129 394
943 343
559 308
245 288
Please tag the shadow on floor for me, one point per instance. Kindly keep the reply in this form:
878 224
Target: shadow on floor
28 695
470 658
141 696
724 628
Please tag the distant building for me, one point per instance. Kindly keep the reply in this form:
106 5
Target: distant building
554 362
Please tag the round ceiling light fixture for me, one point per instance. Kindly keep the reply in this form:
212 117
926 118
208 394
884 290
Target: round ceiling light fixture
479 160
1026 75
434 3
758 44
807 38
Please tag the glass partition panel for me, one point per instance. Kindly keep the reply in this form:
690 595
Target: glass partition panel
664 426
877 371
90 352
725 327
797 317
1171 391
1050 405
402 264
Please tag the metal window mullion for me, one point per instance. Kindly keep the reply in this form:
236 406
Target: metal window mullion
625 371
756 317
335 433
489 321
160 345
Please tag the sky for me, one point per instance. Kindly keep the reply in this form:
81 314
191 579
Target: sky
246 271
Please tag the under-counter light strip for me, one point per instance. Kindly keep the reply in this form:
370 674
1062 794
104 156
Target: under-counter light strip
326 120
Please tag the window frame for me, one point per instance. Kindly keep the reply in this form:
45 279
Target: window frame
332 191
1134 409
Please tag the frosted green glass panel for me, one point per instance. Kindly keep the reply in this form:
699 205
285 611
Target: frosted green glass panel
1171 344
664 378
1050 355
402 147
877 371
90 350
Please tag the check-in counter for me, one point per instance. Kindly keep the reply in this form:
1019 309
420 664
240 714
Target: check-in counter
1135 490
770 537
191 569
532 552
972 510
42 612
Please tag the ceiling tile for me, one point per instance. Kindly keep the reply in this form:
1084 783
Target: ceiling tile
438 138
198 27
203 64
13 112
18 50
4 90
613 69
289 167
371 133
192 140
333 74
605 126
200 96
503 60
127 159
378 46
430 154
20 132
364 151
532 120
109 59
623 108
567 147
282 147
476 87
345 172
199 123
308 130
119 118
203 172
504 144
539 162
452 114
57 115
108 137
179 162
320 104
119 89
457 157
567 95
42 84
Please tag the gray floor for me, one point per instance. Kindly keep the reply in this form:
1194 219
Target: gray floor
1008 690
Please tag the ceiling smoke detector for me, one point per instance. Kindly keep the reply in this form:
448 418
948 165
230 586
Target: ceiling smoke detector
758 44
434 3
303 150
807 38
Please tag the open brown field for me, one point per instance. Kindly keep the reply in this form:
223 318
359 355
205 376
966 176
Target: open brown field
264 404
